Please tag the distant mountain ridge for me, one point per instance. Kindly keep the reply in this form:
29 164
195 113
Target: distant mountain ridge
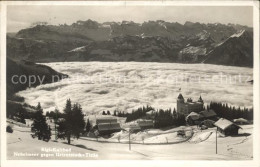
236 50
93 30
150 41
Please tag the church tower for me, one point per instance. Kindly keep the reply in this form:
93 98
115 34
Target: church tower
200 100
180 102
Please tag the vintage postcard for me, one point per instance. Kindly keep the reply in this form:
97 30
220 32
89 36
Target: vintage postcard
171 81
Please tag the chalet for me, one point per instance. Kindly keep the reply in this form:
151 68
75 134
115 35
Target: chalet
133 127
145 124
226 127
192 118
138 125
150 114
195 118
105 125
108 128
208 114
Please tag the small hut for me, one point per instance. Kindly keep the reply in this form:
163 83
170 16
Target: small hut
150 114
145 124
192 118
226 127
133 126
240 121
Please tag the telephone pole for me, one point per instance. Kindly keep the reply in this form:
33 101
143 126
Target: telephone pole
55 122
217 141
129 140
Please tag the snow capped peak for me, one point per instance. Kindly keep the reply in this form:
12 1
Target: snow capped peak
220 43
79 49
143 35
203 35
104 26
125 22
237 34
162 24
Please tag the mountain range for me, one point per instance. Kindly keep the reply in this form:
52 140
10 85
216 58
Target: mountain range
151 41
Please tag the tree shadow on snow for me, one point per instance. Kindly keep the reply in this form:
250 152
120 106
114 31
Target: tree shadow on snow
241 135
84 147
80 146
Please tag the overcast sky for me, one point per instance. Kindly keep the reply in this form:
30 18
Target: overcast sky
19 17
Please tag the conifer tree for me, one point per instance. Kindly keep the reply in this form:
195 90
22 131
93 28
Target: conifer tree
65 126
78 125
39 126
21 115
115 113
88 126
73 124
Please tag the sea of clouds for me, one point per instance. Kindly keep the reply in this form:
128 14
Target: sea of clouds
124 86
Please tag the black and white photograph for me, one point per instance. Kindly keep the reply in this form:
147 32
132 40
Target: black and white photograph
114 81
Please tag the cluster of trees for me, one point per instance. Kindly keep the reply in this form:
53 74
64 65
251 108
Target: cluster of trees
106 113
229 112
19 112
135 114
164 118
73 124
88 126
161 118
70 124
54 114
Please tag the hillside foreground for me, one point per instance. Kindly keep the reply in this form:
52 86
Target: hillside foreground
201 146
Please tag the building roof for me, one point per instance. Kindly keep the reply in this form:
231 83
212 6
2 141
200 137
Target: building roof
106 120
132 126
208 121
194 103
108 126
142 122
193 116
208 113
200 99
180 96
240 120
151 112
223 123
94 117
189 100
